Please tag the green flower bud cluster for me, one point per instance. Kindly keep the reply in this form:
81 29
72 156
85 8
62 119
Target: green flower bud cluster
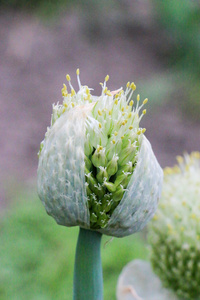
111 150
96 168
174 233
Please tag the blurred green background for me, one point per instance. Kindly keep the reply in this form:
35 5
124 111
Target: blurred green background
37 255
154 43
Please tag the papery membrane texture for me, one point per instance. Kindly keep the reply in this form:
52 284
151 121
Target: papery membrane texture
61 176
140 201
61 179
138 282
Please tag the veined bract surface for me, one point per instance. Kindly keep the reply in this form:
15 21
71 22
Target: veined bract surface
96 168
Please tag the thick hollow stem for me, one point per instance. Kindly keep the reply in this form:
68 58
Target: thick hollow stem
88 278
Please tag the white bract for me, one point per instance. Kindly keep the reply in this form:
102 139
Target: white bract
96 168
138 282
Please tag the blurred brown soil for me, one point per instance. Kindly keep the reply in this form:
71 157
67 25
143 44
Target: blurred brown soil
34 59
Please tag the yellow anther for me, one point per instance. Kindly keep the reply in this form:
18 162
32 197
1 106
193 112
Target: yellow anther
144 112
110 112
77 72
105 90
65 105
100 126
155 218
99 112
116 101
73 92
122 137
131 127
145 101
87 91
64 93
129 115
143 130
138 97
116 96
122 108
183 203
133 86
123 123
99 148
127 107
131 103
139 132
107 78
195 154
123 114
179 159
128 84
73 104
64 87
115 133
108 93
113 141
64 109
68 77
101 83
87 98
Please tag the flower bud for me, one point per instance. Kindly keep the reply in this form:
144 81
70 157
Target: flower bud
102 175
174 233
112 166
99 157
95 170
118 194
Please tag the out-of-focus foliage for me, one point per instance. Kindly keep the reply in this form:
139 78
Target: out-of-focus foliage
37 255
32 4
180 24
41 7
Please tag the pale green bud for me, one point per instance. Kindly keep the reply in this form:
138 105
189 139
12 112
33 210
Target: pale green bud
106 206
125 168
88 147
128 153
99 157
110 186
81 180
123 179
112 166
88 163
93 184
102 175
93 217
118 194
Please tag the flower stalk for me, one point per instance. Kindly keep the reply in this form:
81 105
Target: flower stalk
88 278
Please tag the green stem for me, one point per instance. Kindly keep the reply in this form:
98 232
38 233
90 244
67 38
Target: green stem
88 278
